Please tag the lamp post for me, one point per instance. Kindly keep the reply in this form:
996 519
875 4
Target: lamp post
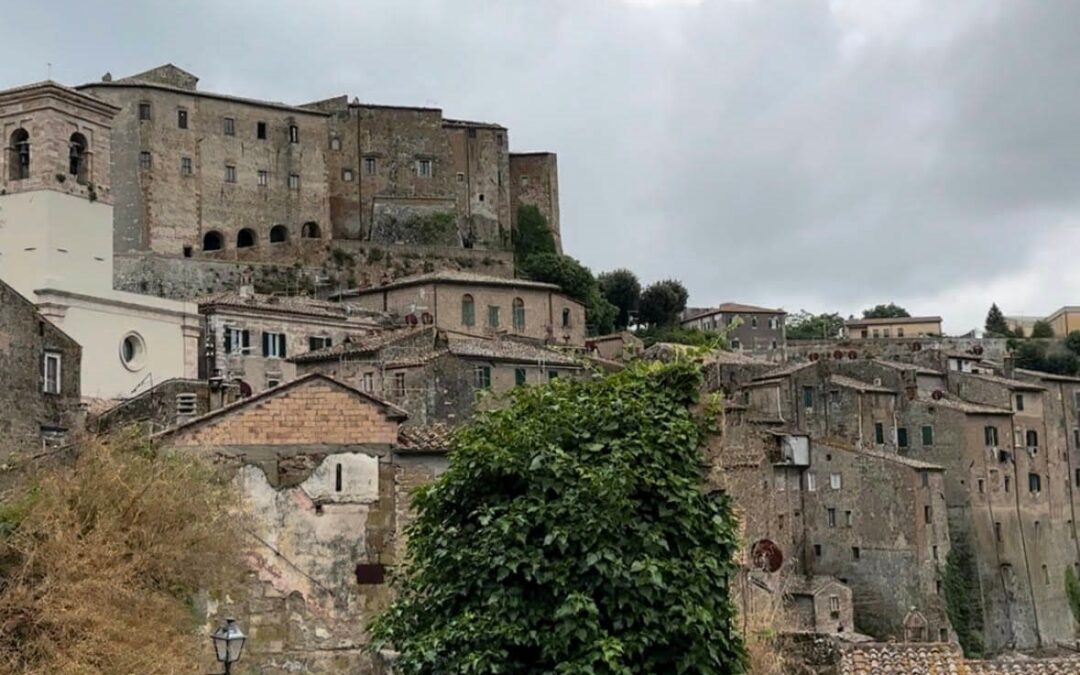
228 643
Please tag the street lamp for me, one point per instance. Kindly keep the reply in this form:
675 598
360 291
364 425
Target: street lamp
228 643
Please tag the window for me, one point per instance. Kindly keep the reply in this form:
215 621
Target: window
212 241
990 436
1032 438
237 341
346 175
245 238
423 168
834 398
335 143
272 382
781 483
278 234
460 177
855 553
519 377
830 515
260 131
185 166
483 377
1077 478
925 478
20 155
899 332
368 382
1076 438
817 550
1019 402
264 178
230 173
468 311
879 433
848 520
145 161
982 486
901 437
133 351
997 531
230 126
369 166
310 230
294 133
1046 575
519 314
274 345
927 514
399 384
927 435
566 317
316 342
77 163
50 369
808 397
834 606
1008 483
493 316
181 119
934 550
753 321
885 332
834 481
338 478
144 111
553 375
1034 482
811 482
294 181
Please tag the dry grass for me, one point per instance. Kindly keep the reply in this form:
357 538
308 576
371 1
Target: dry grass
100 561
762 620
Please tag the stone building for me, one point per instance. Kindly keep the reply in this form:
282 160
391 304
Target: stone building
480 305
438 377
56 243
621 346
900 326
205 174
41 370
749 328
325 474
250 336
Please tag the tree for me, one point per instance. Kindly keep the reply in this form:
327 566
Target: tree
622 289
1072 342
571 534
1072 592
807 326
101 560
889 311
996 326
600 315
571 276
662 302
1042 329
532 235
962 597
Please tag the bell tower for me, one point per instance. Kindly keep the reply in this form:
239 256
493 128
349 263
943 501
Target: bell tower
55 195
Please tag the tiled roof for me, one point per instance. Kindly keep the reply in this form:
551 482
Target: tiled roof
734 308
859 385
505 350
1022 666
1007 382
926 658
294 304
784 371
451 277
1049 377
367 344
893 320
901 365
963 406
900 459
429 437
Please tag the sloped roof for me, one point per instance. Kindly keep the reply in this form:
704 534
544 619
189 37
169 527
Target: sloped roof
1025 666
899 459
733 308
784 371
368 344
391 410
902 658
1049 377
1006 382
426 438
903 365
285 304
451 277
859 385
961 405
505 350
892 321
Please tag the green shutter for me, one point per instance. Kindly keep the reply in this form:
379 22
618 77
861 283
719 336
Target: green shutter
928 435
519 376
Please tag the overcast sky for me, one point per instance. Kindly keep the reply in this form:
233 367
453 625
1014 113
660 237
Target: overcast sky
795 153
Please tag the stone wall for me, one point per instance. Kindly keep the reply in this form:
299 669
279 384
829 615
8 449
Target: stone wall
534 178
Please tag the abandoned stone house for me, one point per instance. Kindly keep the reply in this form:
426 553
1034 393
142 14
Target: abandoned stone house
40 372
249 336
325 472
621 346
748 327
200 173
479 305
437 376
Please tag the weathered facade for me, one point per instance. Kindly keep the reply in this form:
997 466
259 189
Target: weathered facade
325 478
40 366
748 328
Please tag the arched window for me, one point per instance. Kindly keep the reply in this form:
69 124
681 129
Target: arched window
468 310
519 314
77 160
566 317
278 233
212 241
245 238
310 230
1032 438
20 154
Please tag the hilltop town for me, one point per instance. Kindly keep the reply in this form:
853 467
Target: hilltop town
317 295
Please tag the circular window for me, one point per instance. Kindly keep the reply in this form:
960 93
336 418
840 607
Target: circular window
133 351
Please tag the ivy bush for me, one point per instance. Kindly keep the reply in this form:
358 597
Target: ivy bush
571 534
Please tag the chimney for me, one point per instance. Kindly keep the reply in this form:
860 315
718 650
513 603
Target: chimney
1008 366
247 285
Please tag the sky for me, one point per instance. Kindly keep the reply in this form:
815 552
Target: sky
825 155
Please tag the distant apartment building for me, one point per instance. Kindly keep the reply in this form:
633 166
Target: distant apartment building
893 327
1064 320
479 305
748 327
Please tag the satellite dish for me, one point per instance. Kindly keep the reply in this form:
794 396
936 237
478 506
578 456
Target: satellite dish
766 556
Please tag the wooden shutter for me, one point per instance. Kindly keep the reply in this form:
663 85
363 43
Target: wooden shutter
228 341
266 343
